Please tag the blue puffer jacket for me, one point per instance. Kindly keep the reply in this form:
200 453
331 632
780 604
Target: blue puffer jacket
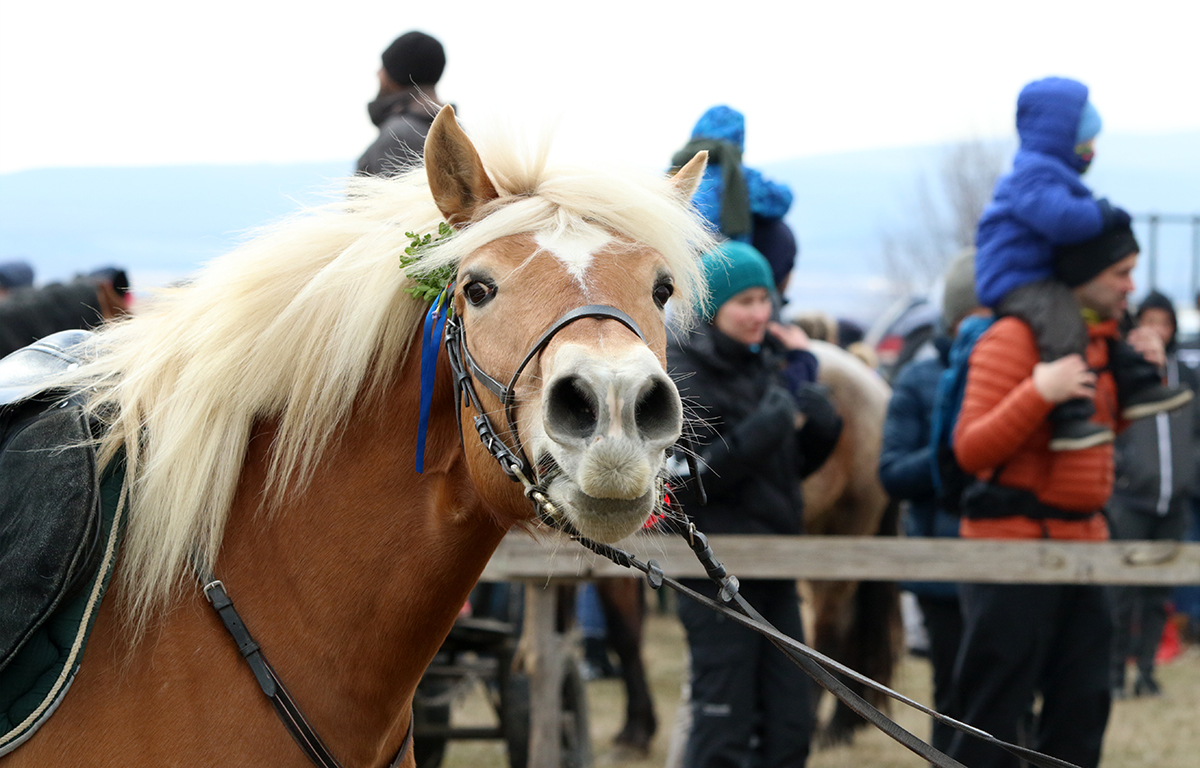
767 198
905 460
1042 202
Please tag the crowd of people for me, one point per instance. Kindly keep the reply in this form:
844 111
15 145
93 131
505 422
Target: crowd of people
1043 410
1031 400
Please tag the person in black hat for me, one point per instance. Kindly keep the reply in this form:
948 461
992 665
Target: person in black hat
1053 641
14 275
1140 387
406 105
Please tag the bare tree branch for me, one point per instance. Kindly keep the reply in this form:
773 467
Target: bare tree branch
941 221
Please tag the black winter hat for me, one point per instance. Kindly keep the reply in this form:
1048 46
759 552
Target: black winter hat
414 58
775 240
1079 263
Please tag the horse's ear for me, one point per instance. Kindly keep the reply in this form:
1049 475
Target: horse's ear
456 176
687 179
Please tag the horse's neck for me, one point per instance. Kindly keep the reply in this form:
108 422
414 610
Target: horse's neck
351 586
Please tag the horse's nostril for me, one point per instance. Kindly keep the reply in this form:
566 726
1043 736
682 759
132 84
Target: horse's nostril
572 408
657 412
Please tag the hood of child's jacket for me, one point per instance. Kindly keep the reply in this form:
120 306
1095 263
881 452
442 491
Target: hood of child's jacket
1157 300
722 123
1048 113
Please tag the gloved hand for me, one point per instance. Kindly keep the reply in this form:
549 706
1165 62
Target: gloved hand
822 427
777 406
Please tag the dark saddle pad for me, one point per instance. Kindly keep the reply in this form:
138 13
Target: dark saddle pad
49 492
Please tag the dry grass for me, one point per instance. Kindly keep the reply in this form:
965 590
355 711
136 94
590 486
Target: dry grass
1142 733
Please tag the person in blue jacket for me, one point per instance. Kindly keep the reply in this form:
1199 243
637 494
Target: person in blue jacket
731 196
1038 206
906 471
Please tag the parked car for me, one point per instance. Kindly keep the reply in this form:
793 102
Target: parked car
902 331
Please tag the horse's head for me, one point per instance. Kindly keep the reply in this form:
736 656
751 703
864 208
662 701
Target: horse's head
594 409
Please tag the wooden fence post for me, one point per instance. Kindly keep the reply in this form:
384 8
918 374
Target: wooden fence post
545 664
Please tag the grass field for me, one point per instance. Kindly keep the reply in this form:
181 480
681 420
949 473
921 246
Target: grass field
1142 733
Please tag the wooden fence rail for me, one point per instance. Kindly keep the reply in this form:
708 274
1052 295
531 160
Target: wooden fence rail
853 558
540 564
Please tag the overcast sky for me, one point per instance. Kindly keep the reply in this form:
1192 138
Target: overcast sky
147 82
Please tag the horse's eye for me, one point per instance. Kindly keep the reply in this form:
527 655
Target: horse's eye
662 292
478 292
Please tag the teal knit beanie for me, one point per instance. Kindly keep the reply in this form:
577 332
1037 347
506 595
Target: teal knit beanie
730 269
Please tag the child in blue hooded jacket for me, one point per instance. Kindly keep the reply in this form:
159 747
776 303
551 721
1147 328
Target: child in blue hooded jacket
1043 205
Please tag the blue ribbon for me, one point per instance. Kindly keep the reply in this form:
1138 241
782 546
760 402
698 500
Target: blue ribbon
431 343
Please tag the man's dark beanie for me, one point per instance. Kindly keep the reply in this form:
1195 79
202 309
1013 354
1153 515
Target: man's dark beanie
414 58
1079 263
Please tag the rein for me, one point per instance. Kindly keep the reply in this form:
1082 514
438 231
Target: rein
515 464
820 667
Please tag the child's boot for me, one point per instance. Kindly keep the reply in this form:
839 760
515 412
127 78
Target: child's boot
1139 386
1072 428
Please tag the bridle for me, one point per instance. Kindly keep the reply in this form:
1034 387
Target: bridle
466 371
517 467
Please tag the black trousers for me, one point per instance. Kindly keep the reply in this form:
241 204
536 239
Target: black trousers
1023 639
752 707
1140 612
943 624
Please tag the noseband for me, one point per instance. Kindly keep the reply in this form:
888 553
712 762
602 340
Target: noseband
466 371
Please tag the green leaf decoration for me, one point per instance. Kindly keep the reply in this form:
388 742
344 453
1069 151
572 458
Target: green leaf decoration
428 283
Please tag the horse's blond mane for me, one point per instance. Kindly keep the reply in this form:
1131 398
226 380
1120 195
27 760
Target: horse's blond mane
299 320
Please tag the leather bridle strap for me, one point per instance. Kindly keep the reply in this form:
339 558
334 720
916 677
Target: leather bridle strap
281 700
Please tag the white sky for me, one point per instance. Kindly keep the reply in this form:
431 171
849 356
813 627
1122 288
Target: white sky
147 82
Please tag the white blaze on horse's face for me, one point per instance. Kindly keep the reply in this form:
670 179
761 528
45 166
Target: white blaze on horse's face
596 411
575 250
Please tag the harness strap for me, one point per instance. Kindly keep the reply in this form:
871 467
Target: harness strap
285 706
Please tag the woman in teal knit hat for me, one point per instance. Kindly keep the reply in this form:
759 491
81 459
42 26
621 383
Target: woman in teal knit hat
761 426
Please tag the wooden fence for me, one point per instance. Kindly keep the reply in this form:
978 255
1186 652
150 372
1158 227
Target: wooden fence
542 564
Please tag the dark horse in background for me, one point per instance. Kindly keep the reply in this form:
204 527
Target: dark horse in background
29 314
857 623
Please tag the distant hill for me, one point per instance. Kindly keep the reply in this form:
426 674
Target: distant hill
163 222
160 222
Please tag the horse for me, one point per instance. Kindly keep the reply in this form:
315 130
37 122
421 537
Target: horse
856 623
31 313
266 416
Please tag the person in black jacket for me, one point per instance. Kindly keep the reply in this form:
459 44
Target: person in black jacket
406 105
1156 463
762 426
